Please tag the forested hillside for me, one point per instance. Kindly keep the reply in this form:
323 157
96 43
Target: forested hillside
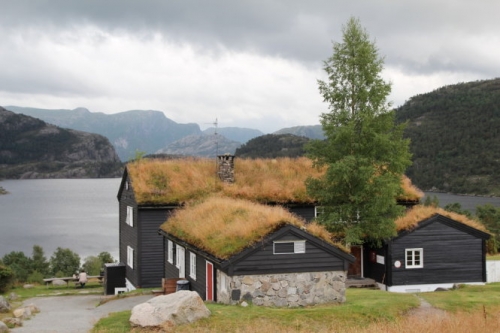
455 138
31 148
272 146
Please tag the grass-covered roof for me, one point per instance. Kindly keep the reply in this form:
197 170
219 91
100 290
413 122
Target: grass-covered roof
421 213
280 180
224 226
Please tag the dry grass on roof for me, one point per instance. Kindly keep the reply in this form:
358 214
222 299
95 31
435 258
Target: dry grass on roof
419 213
157 181
280 180
272 180
224 227
410 191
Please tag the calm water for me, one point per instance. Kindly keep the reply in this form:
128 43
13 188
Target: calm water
82 215
79 214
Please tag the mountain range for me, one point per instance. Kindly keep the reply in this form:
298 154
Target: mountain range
454 133
31 148
146 131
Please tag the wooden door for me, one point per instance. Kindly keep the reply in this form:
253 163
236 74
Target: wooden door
356 268
209 282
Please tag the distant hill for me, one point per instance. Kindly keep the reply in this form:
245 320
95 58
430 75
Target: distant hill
31 148
128 131
311 132
272 146
201 145
455 138
238 134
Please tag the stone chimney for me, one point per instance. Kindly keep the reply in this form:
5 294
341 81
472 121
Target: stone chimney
225 170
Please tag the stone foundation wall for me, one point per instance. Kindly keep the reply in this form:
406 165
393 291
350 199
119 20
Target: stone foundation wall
282 290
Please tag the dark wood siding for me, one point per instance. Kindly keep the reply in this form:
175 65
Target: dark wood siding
170 270
198 285
371 268
264 261
128 236
449 255
150 250
306 212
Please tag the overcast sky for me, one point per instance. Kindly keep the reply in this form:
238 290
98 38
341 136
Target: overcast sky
247 63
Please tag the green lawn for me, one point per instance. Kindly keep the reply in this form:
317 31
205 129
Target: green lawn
362 308
466 298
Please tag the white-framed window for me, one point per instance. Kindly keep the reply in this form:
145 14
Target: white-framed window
130 257
179 261
192 265
289 247
414 258
170 251
130 216
126 185
318 210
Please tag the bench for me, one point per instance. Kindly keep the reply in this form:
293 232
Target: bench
68 279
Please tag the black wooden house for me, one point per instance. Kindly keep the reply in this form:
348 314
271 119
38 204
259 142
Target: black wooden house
152 189
437 252
281 264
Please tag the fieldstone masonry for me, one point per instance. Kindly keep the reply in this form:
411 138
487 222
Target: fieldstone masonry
282 290
226 168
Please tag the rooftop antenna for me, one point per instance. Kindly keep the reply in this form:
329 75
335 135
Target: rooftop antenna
216 123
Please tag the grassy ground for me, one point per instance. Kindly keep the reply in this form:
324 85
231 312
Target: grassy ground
469 309
493 257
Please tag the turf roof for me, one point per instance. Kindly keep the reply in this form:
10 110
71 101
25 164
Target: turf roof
279 180
224 226
421 213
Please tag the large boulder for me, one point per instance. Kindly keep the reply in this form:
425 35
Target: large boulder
3 328
59 283
4 305
174 309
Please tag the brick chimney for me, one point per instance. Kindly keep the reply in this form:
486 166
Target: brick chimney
226 168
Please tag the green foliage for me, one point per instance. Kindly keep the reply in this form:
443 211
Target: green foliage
431 201
455 140
64 261
35 277
364 151
6 278
39 261
457 208
106 257
273 146
489 215
19 264
92 265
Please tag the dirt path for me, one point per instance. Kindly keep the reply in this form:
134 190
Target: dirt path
426 310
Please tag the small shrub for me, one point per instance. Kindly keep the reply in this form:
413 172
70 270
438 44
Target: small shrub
35 277
6 278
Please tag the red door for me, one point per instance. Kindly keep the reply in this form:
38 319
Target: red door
210 281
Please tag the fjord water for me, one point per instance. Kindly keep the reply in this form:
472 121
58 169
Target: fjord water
82 215
79 214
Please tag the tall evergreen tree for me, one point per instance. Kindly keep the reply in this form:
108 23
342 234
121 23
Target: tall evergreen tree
364 153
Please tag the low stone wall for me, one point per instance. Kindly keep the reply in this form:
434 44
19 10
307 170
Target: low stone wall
282 290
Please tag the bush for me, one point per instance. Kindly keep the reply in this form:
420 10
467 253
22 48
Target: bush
35 277
6 278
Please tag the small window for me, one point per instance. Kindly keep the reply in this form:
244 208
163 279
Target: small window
130 257
414 258
126 185
289 247
318 210
130 216
170 251
192 265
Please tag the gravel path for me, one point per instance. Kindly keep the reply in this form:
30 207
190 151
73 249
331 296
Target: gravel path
426 310
73 314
